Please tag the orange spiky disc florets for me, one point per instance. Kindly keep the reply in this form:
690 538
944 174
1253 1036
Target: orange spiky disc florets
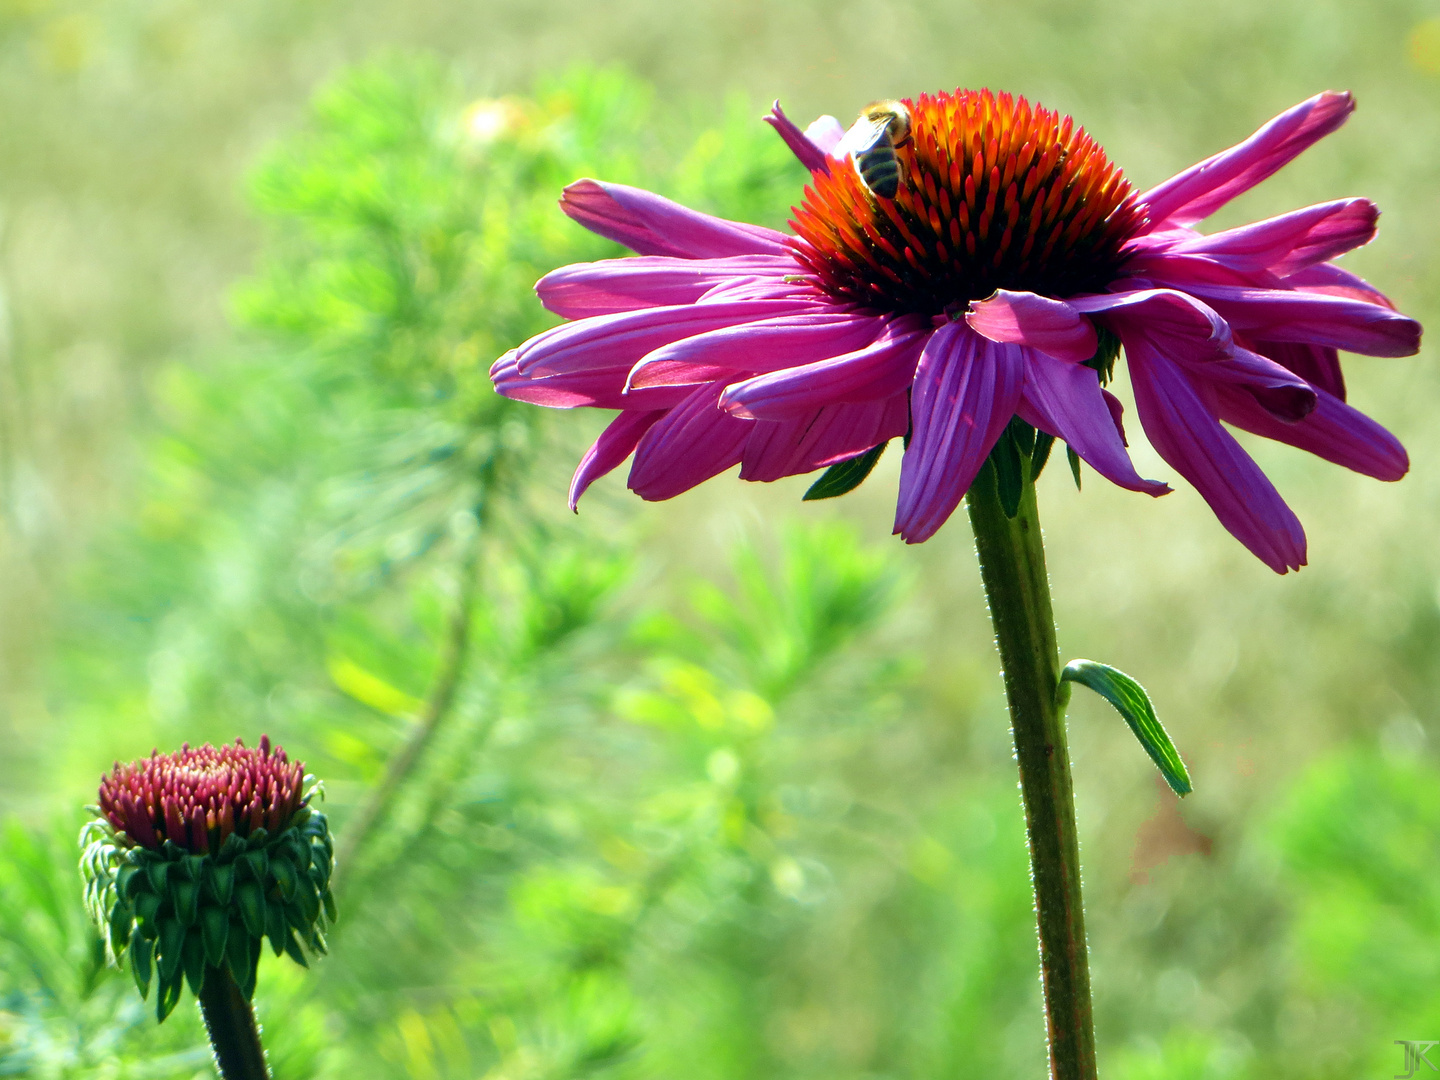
996 193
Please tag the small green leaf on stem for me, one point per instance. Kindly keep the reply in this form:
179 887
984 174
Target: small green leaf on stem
844 476
1074 460
1131 701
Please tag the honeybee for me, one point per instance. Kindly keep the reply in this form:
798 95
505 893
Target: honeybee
872 141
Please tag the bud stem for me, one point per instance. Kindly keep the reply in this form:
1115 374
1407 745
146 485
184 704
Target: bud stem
230 1021
1012 566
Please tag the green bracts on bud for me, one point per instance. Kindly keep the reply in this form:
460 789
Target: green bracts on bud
178 914
1133 704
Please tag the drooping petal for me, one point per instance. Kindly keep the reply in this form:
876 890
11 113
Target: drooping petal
615 444
1332 280
1200 190
879 370
1066 400
966 391
1314 318
1037 322
582 290
1333 431
821 437
761 345
689 444
1183 323
801 144
602 388
1316 364
651 225
1276 388
607 340
1282 245
1191 440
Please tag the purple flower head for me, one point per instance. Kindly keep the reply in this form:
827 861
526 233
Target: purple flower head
996 283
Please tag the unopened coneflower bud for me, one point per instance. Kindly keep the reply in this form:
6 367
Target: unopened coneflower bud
195 858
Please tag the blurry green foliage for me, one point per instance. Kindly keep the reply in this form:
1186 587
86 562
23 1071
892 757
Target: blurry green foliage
728 837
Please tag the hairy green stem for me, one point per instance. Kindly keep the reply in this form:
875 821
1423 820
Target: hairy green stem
230 1021
1012 565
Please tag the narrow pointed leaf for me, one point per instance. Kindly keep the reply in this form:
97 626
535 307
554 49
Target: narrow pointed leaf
844 476
1041 454
193 954
214 929
1131 701
1009 479
251 902
1074 460
140 949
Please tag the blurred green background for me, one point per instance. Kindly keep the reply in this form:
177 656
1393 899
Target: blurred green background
720 787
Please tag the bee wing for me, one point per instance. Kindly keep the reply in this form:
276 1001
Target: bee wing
865 134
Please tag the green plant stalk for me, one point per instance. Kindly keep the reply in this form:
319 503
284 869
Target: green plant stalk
1012 565
230 1022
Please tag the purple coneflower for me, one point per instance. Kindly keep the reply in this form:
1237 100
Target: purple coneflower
994 284
196 798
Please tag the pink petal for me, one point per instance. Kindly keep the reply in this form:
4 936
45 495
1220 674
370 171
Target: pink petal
877 371
821 437
1282 245
1175 318
1279 390
761 345
1316 364
651 225
607 340
1037 322
966 391
691 443
602 387
1332 280
582 290
1189 438
811 155
1333 431
1066 400
825 132
1200 190
614 445
1314 318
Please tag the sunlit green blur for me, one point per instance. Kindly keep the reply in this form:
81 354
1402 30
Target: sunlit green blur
725 789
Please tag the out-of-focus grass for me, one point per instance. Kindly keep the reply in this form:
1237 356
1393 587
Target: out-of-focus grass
122 229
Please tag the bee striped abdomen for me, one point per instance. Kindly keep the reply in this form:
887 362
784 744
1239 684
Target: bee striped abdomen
880 169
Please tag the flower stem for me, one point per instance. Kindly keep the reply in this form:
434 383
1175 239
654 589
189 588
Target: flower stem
1012 565
230 1021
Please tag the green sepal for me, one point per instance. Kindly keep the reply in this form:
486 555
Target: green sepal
844 476
172 937
122 917
233 846
1010 474
255 863
167 994
185 895
247 984
1131 701
319 872
251 902
214 928
193 954
283 870
140 953
128 881
292 947
1044 442
195 867
256 840
329 903
307 897
220 881
147 909
158 873
275 926
237 951
1074 459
